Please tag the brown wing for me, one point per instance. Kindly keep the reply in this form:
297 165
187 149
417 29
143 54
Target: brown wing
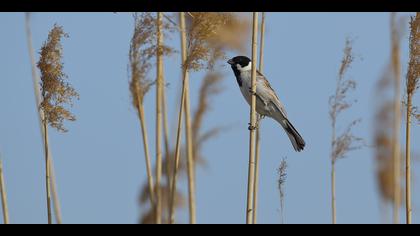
262 78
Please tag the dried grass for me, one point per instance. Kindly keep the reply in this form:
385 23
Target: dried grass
383 133
281 181
143 49
345 142
210 34
413 74
56 94
55 91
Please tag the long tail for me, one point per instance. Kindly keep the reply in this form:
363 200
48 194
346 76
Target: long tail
294 136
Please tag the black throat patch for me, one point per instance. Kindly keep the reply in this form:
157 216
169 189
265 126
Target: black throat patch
237 75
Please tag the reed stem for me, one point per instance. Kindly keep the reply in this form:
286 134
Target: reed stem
47 174
159 85
188 131
146 154
3 195
408 162
251 165
257 144
36 81
179 126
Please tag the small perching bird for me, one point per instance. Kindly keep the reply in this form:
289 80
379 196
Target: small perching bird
268 103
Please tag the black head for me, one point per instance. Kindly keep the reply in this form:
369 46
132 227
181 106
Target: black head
239 61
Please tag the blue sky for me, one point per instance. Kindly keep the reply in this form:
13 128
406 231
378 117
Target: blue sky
100 165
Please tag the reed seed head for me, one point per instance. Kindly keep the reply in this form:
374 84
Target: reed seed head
413 73
56 91
346 141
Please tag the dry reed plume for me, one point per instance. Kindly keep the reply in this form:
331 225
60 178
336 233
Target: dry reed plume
210 34
412 82
56 94
346 141
281 181
55 91
386 127
396 75
141 51
383 138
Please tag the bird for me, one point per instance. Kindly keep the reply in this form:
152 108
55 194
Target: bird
267 102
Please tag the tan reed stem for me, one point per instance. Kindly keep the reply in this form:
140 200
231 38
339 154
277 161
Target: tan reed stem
251 165
257 144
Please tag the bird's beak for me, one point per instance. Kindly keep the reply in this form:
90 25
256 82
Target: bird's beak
230 62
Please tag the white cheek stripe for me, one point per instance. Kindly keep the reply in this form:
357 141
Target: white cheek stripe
246 68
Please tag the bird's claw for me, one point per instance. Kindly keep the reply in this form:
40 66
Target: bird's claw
251 127
252 92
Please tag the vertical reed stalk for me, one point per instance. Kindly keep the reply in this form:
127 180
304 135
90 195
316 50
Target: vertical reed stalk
36 81
47 174
251 165
159 118
188 131
413 83
333 201
408 161
3 195
257 144
333 196
180 112
146 153
397 117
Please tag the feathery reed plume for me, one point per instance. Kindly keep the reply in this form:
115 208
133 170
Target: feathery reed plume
396 72
346 141
36 84
3 195
142 49
383 133
210 34
412 82
282 173
56 93
253 120
257 141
